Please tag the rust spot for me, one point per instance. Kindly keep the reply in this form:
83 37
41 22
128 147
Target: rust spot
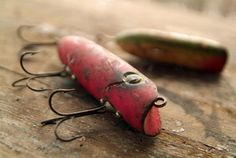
86 73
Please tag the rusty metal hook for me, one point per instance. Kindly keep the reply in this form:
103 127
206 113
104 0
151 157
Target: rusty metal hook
20 33
63 73
31 44
57 73
66 116
15 84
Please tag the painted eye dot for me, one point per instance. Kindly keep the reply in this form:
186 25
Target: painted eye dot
132 78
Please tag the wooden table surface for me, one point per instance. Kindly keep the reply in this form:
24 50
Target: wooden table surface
198 121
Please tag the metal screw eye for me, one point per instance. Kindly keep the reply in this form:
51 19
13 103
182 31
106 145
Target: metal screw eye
160 102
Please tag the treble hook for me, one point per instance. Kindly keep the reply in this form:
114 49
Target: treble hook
15 84
31 44
20 30
35 89
57 73
23 54
63 73
66 116
27 84
62 116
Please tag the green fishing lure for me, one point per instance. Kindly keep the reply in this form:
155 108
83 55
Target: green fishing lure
174 49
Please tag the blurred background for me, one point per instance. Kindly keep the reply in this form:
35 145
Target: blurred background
226 8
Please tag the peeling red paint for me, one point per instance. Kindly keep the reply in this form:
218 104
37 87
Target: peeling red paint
96 68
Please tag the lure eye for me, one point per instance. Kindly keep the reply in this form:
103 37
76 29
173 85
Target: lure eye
132 78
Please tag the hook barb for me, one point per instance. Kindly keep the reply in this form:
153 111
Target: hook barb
30 46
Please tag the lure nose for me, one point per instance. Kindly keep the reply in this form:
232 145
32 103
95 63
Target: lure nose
152 122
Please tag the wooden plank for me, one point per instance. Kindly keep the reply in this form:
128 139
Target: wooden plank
106 135
198 121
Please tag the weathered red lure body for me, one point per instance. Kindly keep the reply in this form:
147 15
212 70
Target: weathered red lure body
105 76
108 77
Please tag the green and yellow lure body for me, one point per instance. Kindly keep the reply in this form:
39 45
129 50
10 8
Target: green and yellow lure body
174 48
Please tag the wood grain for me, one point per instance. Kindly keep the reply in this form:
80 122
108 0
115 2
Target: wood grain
199 120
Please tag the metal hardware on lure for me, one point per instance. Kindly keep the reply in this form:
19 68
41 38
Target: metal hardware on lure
62 73
109 79
174 48
65 116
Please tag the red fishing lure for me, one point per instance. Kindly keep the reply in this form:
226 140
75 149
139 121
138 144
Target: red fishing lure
109 79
